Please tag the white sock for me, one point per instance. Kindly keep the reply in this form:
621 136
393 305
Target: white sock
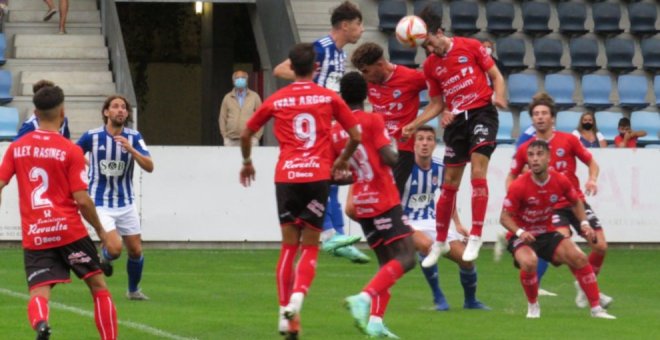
296 301
365 296
375 319
327 234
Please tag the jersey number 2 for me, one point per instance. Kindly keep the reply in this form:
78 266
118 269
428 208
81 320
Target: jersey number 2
38 201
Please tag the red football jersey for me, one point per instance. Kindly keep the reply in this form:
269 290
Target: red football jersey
564 148
303 113
398 101
374 190
460 76
49 169
632 142
532 203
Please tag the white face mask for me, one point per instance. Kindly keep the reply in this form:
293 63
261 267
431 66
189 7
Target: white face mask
489 51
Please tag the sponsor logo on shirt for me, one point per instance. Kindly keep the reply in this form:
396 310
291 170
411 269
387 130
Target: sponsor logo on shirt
396 94
554 198
462 59
112 168
374 93
440 71
560 152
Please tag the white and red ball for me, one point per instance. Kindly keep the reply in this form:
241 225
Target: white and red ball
411 31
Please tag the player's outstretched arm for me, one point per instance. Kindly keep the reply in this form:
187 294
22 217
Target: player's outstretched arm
88 212
435 107
284 71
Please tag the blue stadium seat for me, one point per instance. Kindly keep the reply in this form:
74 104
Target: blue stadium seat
535 17
606 17
400 54
8 123
511 54
3 47
505 130
525 120
572 16
620 52
561 87
651 54
596 89
567 121
522 87
389 14
608 124
656 89
632 91
424 98
642 17
500 17
547 52
584 53
419 5
5 87
649 122
464 15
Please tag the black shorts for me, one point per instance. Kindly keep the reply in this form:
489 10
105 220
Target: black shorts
402 169
564 217
385 228
544 246
475 133
51 266
302 201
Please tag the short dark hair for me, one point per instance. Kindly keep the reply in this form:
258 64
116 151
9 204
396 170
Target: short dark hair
539 144
543 98
302 58
41 84
347 11
624 122
432 18
48 98
427 128
353 88
108 101
366 54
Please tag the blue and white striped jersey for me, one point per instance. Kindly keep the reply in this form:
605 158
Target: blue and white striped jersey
32 124
418 199
111 166
331 63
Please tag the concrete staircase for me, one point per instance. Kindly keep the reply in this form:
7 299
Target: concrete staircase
78 61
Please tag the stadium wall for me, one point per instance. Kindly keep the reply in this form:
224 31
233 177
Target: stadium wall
194 195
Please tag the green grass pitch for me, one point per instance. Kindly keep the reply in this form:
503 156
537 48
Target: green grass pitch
230 294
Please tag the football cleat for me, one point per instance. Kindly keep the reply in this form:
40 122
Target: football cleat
43 331
601 313
360 309
378 330
137 296
543 292
533 310
338 241
580 299
472 249
351 253
605 300
475 304
437 249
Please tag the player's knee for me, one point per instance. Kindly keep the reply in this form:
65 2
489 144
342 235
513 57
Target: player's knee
135 253
528 264
579 260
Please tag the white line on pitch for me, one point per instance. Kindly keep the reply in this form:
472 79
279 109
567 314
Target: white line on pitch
144 328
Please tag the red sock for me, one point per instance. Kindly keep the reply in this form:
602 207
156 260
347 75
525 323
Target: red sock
37 310
379 303
443 210
587 280
479 205
596 261
306 269
105 315
530 285
384 279
284 274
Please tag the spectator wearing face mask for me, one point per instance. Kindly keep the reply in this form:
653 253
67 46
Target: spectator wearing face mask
236 109
490 48
587 132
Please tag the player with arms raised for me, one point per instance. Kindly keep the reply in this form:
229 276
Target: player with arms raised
52 189
457 71
303 112
527 215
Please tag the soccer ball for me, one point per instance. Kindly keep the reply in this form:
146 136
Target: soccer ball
411 31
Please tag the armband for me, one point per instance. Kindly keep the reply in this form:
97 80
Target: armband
519 232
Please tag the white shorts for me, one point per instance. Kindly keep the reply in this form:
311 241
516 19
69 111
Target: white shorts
124 219
428 228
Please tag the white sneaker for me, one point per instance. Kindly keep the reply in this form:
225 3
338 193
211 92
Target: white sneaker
543 292
472 249
498 249
437 249
605 300
533 310
580 299
601 313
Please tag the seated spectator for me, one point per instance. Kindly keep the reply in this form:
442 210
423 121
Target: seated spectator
627 138
587 132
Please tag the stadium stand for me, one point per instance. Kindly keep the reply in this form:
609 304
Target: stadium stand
5 87
3 48
656 89
464 15
596 89
632 91
548 52
524 121
535 17
572 16
436 6
567 121
8 123
651 53
505 130
511 54
561 87
620 52
500 17
608 123
423 98
606 16
584 54
642 17
389 14
400 54
649 122
522 87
